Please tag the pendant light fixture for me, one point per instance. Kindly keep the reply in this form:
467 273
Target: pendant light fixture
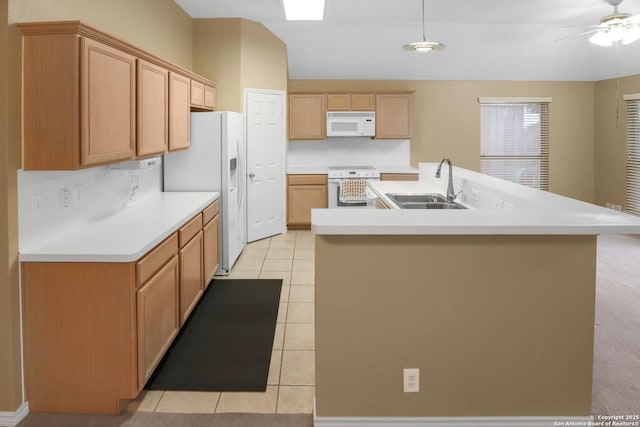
424 46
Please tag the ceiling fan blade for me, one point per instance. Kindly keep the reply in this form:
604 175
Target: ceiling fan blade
577 35
635 19
580 26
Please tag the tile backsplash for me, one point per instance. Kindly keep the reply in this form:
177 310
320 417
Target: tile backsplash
352 151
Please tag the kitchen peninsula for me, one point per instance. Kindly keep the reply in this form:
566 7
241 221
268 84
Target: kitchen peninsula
494 305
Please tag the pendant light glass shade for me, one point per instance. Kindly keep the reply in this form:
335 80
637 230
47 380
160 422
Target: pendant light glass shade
424 46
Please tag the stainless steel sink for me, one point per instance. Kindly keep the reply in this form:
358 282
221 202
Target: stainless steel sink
431 205
423 201
416 198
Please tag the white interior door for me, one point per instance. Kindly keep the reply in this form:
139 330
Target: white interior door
266 148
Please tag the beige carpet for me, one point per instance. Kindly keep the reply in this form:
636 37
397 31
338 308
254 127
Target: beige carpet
616 372
616 364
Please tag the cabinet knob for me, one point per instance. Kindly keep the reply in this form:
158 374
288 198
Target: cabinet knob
252 175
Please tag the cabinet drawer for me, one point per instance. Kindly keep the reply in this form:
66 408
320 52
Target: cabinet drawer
156 258
307 179
210 211
189 230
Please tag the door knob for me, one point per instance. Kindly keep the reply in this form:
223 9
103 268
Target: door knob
252 175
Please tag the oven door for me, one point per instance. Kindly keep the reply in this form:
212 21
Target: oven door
334 197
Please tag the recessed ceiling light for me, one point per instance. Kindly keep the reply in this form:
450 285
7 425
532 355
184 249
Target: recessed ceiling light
303 10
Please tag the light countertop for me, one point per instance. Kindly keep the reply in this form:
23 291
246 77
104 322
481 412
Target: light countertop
312 170
498 207
126 235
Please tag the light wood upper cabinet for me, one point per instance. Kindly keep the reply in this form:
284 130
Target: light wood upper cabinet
79 99
307 116
153 109
179 111
197 94
209 97
393 116
203 97
108 115
338 102
87 103
304 192
351 102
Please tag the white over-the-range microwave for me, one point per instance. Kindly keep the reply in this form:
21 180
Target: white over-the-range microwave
351 123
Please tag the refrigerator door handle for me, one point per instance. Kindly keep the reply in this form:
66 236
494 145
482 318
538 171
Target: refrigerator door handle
241 169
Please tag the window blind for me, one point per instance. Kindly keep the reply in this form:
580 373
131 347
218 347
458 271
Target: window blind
633 156
514 140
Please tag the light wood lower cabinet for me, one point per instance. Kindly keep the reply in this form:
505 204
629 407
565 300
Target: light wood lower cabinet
191 283
158 323
95 331
398 177
304 192
211 261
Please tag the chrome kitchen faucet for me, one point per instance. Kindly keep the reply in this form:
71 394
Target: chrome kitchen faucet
451 195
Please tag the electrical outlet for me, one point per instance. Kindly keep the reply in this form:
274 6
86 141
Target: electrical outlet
618 208
496 203
475 194
608 205
411 380
37 203
66 198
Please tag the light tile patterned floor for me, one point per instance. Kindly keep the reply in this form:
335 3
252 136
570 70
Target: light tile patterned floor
291 381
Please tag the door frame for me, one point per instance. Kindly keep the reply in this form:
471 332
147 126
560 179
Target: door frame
245 102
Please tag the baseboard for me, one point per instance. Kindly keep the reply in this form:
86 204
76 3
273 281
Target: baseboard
11 419
450 421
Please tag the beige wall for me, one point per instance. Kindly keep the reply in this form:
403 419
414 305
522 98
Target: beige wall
216 56
610 133
10 360
160 27
157 26
447 123
237 54
264 58
492 332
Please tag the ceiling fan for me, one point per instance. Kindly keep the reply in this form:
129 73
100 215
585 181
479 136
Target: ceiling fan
618 26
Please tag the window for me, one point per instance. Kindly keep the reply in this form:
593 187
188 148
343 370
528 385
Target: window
514 140
633 153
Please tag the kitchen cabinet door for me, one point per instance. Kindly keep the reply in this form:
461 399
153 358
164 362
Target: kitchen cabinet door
398 177
158 322
153 109
179 112
108 101
209 97
191 278
393 116
211 256
338 102
304 192
197 94
307 116
363 102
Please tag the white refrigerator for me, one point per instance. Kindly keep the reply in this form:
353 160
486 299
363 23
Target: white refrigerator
215 161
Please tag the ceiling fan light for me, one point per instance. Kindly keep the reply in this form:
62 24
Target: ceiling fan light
601 38
632 35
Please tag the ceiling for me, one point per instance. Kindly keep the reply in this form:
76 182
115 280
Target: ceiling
485 39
